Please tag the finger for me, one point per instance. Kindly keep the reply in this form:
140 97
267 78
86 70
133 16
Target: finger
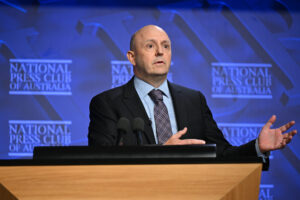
292 133
270 122
180 133
285 136
192 141
289 136
280 144
288 140
287 126
284 142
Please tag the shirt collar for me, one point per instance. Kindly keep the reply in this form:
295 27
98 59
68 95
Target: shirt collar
144 88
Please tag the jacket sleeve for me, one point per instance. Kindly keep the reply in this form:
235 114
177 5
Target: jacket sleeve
103 122
215 135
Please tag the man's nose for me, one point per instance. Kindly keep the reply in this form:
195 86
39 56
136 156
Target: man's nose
159 51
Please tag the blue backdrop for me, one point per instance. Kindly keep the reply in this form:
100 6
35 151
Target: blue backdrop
244 55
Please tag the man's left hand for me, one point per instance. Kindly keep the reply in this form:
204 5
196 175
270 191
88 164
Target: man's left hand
272 139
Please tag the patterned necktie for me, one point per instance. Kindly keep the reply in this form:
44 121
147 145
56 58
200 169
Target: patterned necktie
161 116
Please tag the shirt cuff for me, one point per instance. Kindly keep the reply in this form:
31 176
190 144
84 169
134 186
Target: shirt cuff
264 156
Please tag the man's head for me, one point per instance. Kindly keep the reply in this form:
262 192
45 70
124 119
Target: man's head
150 53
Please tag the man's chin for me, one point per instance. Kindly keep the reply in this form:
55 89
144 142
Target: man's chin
162 74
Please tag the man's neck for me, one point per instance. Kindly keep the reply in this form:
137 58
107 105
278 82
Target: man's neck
154 81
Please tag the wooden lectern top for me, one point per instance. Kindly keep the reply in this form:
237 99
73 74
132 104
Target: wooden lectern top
183 172
167 181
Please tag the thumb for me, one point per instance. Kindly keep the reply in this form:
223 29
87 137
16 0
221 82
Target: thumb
270 122
180 133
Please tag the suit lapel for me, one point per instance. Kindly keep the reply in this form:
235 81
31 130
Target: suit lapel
135 106
180 106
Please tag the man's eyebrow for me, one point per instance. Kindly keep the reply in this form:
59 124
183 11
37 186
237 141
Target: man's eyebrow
164 41
150 40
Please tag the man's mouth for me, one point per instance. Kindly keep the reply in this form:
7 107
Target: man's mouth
159 62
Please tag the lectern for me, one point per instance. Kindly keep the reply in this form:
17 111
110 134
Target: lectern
156 176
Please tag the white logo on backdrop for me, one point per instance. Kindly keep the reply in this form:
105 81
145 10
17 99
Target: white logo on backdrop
40 77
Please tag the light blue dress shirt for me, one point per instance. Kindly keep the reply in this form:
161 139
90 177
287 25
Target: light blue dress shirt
143 90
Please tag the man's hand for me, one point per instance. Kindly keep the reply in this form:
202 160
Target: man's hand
175 139
272 139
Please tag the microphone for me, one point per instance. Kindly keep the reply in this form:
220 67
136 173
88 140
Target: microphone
138 129
123 126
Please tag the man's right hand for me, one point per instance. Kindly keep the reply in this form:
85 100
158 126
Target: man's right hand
175 139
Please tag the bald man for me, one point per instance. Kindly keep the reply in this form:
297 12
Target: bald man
173 114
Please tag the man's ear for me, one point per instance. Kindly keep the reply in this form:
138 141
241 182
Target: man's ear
131 57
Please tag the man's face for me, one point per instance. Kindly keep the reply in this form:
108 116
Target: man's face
151 53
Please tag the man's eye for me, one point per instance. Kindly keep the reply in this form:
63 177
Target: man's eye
149 46
166 46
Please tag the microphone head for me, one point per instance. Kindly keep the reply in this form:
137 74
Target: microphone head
138 124
123 125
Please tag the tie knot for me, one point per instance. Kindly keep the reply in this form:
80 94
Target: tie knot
156 95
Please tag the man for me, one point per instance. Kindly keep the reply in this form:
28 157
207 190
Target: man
173 114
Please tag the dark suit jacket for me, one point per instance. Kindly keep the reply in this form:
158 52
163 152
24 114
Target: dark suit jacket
190 108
